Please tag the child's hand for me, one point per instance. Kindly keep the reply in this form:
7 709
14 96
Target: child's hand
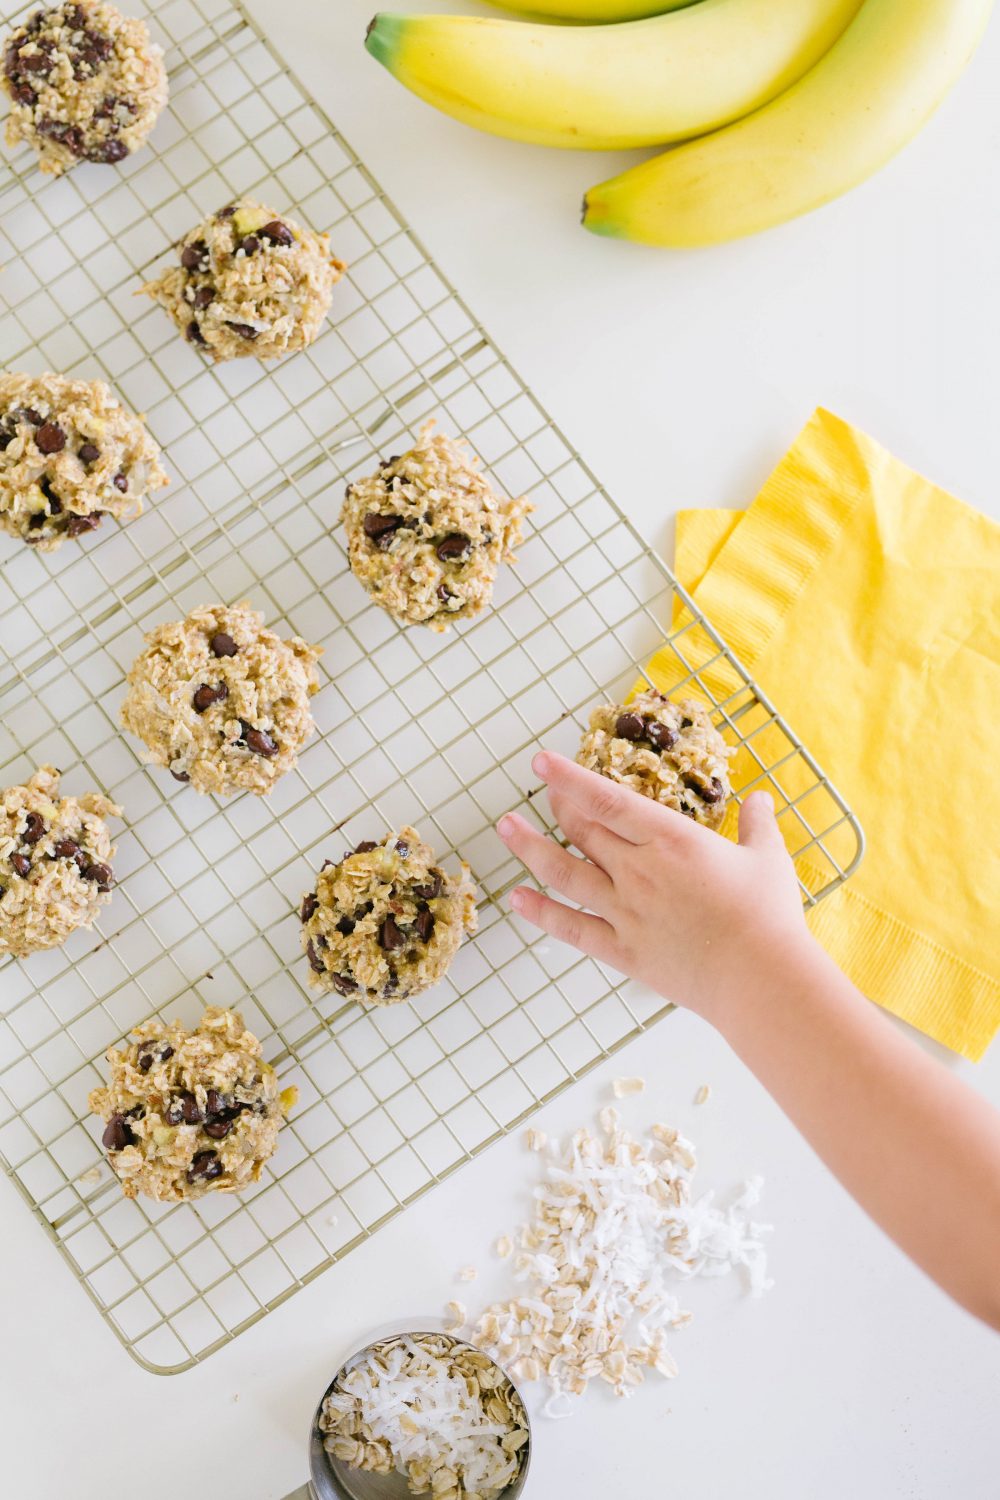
665 900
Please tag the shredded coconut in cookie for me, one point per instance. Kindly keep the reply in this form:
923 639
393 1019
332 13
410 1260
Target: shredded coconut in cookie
190 1112
70 454
221 702
55 863
85 84
250 283
385 922
665 749
426 533
616 1224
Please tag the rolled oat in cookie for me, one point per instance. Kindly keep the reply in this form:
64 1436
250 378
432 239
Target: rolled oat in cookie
190 1112
666 749
426 533
249 283
85 84
55 863
385 921
220 702
70 454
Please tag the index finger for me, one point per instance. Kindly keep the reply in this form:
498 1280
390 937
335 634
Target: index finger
633 817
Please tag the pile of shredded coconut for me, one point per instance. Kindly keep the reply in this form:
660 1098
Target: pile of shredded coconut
432 1409
616 1226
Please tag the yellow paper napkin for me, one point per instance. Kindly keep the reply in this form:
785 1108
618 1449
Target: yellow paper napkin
865 602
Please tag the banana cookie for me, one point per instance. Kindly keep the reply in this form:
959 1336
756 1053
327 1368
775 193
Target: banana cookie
667 750
250 282
85 84
190 1112
70 454
385 922
55 863
426 533
221 702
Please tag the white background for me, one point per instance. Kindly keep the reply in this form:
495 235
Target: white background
681 378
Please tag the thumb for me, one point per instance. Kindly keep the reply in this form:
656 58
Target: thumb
758 825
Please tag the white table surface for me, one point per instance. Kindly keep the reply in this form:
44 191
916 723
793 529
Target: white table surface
681 378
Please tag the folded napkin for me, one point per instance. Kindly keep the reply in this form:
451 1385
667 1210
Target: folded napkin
865 602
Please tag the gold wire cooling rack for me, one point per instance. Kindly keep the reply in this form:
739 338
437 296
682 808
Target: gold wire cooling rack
413 727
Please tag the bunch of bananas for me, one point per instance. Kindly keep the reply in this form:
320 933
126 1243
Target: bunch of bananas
783 104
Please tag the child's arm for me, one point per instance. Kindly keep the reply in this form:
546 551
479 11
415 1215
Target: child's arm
719 928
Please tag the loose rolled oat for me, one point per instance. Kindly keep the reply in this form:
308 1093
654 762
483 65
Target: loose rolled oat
55 863
251 283
385 921
426 533
70 454
85 84
668 750
190 1112
221 702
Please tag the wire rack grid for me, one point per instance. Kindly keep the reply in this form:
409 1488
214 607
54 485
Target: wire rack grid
412 727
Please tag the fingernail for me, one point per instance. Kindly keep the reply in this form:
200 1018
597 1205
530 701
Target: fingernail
517 900
505 827
540 765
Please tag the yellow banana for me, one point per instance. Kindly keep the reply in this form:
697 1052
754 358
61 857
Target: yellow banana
640 83
860 105
593 10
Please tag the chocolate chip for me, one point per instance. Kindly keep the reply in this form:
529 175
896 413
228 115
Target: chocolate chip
24 94
205 1166
222 644
714 792
310 906
89 453
454 547
402 849
365 847
344 984
77 525
145 1061
629 727
117 1134
50 438
249 244
34 828
100 44
215 1103
193 255
686 723
108 152
389 936
660 736
180 776
445 594
120 482
381 529
258 740
66 849
194 334
387 463
184 1110
102 875
244 330
203 296
424 925
278 233
431 891
316 963
70 136
21 863
38 520
227 212
28 414
346 926
205 696
217 1130
35 62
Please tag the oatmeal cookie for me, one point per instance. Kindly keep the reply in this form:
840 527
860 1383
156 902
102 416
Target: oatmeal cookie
55 863
250 282
70 455
385 921
664 749
426 533
190 1112
85 84
222 702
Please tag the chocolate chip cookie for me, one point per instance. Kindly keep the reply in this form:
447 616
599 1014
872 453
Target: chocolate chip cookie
667 750
385 921
190 1112
426 533
55 863
85 84
70 454
221 702
249 283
